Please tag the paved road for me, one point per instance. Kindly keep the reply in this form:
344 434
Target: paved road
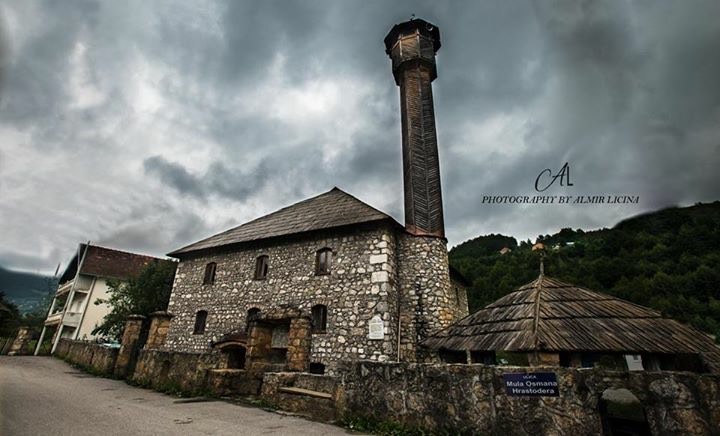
43 395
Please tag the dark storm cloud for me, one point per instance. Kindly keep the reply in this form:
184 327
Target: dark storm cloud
124 122
173 175
217 180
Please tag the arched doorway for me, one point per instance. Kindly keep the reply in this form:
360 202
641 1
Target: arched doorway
622 414
233 348
235 356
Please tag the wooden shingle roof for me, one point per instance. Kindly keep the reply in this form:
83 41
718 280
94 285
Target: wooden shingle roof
549 315
331 209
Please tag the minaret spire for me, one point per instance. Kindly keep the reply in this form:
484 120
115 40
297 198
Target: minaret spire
412 46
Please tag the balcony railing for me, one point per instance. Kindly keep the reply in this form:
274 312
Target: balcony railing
71 319
65 288
53 318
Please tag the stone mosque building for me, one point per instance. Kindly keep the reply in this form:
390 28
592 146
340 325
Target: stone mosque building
331 285
331 278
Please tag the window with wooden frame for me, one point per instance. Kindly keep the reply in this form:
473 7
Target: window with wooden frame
323 258
209 278
200 321
261 267
319 318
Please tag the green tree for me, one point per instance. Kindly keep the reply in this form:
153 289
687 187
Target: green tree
668 260
9 317
147 293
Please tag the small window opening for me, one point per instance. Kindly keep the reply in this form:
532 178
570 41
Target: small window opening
317 368
209 278
200 321
323 259
236 358
261 267
319 318
452 356
252 314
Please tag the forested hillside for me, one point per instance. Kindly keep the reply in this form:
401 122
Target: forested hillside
668 260
28 291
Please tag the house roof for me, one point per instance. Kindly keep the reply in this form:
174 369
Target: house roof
107 262
549 315
331 209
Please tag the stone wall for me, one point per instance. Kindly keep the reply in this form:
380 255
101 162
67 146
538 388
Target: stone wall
429 302
370 265
88 355
222 382
358 287
164 371
471 399
316 395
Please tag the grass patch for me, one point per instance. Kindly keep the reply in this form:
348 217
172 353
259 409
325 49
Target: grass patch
382 428
392 428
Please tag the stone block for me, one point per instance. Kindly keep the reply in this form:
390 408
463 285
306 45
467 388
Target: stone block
378 258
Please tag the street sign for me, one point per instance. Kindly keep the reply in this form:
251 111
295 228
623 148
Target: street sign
531 384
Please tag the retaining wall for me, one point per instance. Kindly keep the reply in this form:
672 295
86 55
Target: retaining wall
88 355
471 399
164 370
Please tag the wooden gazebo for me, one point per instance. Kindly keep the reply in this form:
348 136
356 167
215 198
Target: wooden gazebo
555 323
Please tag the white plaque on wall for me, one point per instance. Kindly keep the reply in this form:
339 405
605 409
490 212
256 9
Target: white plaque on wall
634 362
376 328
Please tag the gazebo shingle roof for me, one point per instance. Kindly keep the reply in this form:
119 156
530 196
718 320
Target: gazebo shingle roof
549 315
331 209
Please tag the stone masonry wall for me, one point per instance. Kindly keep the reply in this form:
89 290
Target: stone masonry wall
163 370
88 355
471 399
360 285
428 300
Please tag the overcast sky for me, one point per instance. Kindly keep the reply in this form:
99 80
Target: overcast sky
146 126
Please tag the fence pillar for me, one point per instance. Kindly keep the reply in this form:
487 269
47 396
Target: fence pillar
159 326
129 346
20 343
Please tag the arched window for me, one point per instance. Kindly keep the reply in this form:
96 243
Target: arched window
200 321
209 278
261 267
319 318
621 412
323 257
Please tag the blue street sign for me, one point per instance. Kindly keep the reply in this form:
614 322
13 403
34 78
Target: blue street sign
531 384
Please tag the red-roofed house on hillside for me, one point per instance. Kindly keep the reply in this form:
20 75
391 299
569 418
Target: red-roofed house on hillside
73 313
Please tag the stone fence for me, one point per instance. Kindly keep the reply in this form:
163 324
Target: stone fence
91 356
472 399
175 371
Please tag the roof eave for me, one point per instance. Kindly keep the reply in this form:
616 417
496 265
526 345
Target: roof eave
184 252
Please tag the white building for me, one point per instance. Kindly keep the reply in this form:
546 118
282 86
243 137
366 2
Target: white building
73 313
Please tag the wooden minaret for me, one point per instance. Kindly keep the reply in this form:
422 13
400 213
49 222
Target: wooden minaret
412 46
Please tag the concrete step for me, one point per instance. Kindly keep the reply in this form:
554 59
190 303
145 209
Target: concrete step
305 392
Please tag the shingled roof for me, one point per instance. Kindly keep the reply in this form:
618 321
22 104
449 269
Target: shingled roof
108 263
549 315
331 209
